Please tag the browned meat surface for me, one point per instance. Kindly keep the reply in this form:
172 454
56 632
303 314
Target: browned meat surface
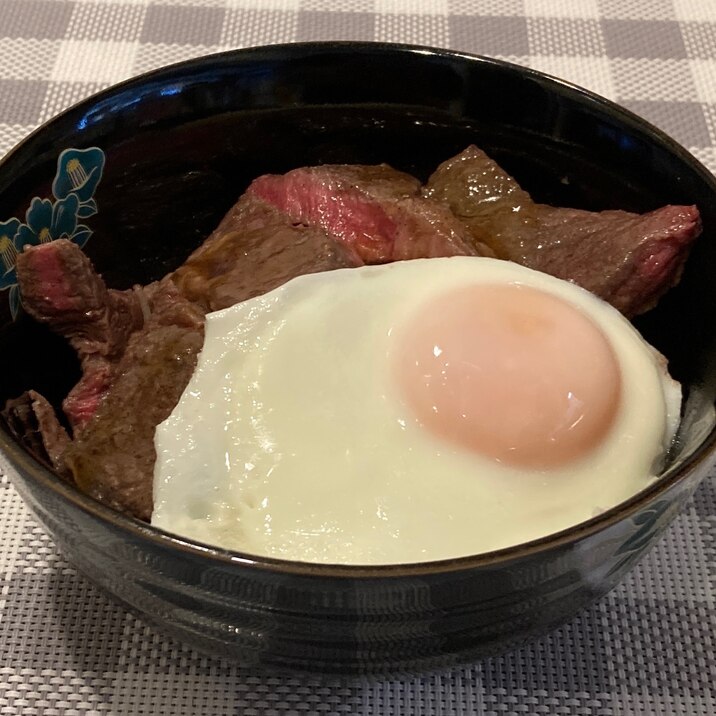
61 288
33 422
376 211
112 458
137 349
255 249
628 259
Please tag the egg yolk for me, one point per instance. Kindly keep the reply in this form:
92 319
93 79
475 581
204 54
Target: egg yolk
511 372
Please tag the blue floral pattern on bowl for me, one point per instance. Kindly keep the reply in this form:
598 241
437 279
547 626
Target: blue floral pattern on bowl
78 173
648 524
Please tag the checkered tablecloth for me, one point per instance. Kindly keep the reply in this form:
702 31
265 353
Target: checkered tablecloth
646 648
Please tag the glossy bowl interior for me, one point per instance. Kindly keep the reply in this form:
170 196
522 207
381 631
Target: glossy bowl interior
180 145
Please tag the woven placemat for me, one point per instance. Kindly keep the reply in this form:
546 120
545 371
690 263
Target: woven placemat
646 648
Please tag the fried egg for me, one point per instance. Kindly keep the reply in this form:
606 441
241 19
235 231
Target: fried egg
415 411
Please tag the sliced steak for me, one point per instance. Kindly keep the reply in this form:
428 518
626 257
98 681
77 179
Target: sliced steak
112 459
376 211
60 287
629 260
255 249
34 424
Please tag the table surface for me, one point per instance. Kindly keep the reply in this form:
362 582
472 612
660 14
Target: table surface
646 648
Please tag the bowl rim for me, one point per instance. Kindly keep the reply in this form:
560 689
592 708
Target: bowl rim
20 460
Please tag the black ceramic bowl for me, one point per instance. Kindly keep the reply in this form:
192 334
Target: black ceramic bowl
180 145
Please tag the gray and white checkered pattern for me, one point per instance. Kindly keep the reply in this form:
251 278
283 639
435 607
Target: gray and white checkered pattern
647 648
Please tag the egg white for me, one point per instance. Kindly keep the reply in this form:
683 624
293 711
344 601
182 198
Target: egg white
291 440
